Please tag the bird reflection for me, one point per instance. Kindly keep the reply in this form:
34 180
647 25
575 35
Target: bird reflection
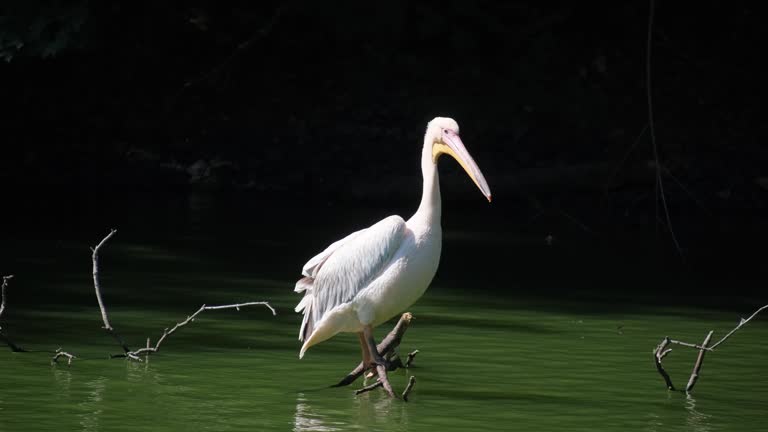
368 411
309 419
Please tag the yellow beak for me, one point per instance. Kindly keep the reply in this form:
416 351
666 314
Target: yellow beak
452 145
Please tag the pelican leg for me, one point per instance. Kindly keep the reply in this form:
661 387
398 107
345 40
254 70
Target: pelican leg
378 362
374 358
367 359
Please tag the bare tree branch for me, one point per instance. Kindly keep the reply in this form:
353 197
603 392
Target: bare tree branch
97 287
3 336
409 360
661 351
652 132
699 362
136 355
659 354
241 48
741 323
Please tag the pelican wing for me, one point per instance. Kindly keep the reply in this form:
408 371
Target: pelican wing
342 270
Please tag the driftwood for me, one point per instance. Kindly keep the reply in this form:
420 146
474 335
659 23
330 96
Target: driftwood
663 349
148 349
59 353
387 349
4 337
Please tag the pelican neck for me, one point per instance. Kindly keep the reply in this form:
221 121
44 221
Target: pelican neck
430 207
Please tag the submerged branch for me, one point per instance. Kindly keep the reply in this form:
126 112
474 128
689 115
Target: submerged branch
387 350
659 354
699 362
387 345
60 353
409 388
661 351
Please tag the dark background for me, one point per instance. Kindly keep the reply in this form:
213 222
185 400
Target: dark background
286 112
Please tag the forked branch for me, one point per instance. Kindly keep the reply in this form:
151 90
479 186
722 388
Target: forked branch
387 349
662 350
136 355
149 349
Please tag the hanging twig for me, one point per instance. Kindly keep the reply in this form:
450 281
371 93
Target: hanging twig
136 355
652 132
3 336
661 351
262 32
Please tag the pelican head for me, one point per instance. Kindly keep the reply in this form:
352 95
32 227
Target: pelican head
443 135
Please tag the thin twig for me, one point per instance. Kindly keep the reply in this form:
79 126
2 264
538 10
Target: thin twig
408 388
661 351
699 362
136 355
689 345
741 323
624 158
652 131
241 47
409 360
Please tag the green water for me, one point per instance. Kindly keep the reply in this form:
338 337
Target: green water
495 354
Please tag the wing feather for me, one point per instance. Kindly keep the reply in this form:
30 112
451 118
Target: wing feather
343 269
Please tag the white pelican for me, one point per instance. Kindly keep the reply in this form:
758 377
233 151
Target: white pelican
373 274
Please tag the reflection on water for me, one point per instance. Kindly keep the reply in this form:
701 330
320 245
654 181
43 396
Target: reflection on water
372 410
92 406
309 419
63 379
691 419
696 421
491 361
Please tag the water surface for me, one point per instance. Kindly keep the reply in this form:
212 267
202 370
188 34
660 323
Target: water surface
496 353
